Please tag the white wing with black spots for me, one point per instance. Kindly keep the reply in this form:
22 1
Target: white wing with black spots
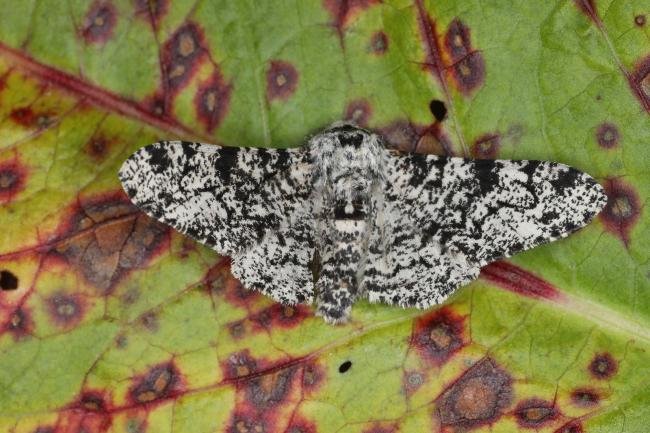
247 203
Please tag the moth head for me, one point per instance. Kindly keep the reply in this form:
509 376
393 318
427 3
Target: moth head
348 135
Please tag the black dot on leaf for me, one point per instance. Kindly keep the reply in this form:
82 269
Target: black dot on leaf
438 109
345 366
8 281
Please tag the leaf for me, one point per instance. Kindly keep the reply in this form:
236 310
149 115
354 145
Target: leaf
112 322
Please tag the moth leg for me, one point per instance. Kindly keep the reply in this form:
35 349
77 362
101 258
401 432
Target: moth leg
337 284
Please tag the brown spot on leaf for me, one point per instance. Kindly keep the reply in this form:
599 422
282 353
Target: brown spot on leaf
457 40
239 365
588 7
150 321
300 425
151 10
281 80
92 401
106 236
99 23
469 72
639 80
535 413
212 100
438 335
269 390
585 397
603 366
12 180
378 43
98 147
402 135
607 135
19 323
313 376
182 54
412 381
477 397
467 64
66 310
486 146
160 382
237 329
248 423
573 426
358 111
281 316
622 210
640 20
8 280
343 11
23 116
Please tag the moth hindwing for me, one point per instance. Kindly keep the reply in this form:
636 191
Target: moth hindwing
399 228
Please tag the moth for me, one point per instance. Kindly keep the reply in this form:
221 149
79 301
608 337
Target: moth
400 228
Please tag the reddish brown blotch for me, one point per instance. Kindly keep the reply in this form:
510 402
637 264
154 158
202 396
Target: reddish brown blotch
344 11
65 309
19 323
99 146
358 111
151 10
313 376
299 424
105 236
478 397
588 8
13 177
281 80
640 20
607 135
573 426
160 382
639 80
378 43
412 381
99 23
603 366
486 146
239 365
535 413
585 397
622 210
438 335
278 316
467 66
212 100
519 281
182 54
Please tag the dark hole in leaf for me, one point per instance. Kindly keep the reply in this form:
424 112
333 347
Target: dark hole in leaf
438 109
345 366
8 281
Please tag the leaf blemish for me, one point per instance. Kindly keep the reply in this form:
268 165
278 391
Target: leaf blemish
151 10
438 109
622 210
535 413
486 146
573 426
281 80
345 366
358 111
212 101
438 335
585 397
477 397
66 310
19 324
182 54
603 366
12 180
379 43
607 135
160 382
640 20
99 23
467 64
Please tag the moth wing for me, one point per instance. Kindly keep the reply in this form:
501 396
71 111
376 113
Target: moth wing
247 203
447 217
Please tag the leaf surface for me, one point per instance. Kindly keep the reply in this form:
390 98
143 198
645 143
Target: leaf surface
109 321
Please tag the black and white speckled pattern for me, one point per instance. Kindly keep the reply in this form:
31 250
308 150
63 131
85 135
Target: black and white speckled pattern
405 229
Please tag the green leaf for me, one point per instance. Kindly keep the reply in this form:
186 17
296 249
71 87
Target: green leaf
110 321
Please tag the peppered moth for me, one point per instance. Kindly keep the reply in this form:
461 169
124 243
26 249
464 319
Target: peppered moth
400 228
